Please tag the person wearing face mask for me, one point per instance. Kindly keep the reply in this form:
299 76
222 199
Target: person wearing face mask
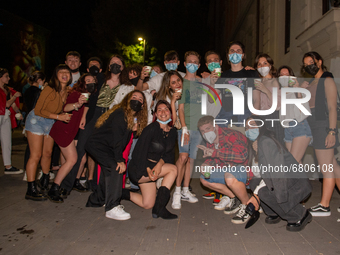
225 148
64 133
265 66
171 62
99 103
239 76
107 143
323 123
134 72
154 158
279 192
73 62
189 111
31 95
156 69
299 135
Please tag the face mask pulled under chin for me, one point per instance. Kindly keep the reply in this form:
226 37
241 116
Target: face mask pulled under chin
209 136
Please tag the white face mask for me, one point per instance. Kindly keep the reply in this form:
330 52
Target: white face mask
284 81
209 136
264 71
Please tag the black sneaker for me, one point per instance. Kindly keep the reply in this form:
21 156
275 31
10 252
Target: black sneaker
319 210
242 216
233 207
13 170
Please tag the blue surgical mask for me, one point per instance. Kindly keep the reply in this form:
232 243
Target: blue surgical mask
213 65
171 66
252 134
40 86
164 122
192 68
153 73
235 58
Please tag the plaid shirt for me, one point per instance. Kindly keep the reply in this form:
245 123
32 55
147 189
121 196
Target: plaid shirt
232 149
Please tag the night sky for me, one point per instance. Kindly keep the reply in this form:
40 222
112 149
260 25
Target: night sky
91 27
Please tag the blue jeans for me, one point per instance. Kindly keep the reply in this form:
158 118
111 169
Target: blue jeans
191 147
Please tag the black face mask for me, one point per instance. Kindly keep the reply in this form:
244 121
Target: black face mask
135 105
94 70
312 69
91 87
115 68
134 81
75 70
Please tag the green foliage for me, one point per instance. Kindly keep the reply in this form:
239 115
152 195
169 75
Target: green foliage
134 53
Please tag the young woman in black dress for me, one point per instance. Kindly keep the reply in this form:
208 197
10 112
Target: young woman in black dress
153 158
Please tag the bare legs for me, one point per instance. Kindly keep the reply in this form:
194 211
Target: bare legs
40 150
326 159
298 147
70 155
148 188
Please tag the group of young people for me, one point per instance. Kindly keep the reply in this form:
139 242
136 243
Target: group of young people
129 119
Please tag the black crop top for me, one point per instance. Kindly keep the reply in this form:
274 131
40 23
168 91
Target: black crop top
154 144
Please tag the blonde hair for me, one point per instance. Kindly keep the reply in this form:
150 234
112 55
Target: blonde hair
142 115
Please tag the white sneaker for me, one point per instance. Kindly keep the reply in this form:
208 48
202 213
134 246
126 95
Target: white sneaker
159 182
189 197
224 201
118 213
176 201
241 216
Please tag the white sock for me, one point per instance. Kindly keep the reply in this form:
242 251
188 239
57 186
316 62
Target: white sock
178 189
185 189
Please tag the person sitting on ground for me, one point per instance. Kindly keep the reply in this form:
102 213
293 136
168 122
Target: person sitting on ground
225 148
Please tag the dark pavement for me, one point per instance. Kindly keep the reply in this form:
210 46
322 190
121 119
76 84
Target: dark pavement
28 227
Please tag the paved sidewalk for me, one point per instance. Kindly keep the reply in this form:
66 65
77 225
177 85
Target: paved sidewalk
28 227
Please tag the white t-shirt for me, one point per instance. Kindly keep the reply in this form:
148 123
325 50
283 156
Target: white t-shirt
155 82
75 77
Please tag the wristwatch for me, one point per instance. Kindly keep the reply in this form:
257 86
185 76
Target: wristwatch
75 107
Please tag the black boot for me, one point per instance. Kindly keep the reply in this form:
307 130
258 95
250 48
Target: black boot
64 193
159 209
125 194
54 194
43 182
33 193
78 187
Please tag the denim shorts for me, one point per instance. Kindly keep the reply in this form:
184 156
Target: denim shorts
191 147
38 125
238 172
301 129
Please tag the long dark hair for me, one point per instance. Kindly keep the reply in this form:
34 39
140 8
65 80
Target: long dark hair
54 82
165 90
315 56
108 72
